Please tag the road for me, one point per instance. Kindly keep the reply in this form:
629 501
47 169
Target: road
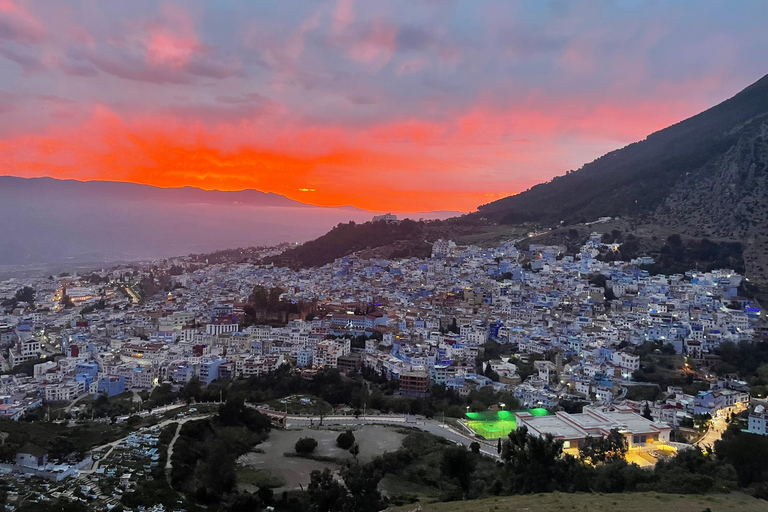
715 432
74 402
433 427
135 296
168 465
719 425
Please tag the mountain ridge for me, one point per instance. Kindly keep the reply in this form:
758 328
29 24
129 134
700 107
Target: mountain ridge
706 176
53 221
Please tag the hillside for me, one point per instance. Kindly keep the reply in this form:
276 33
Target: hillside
706 176
627 502
387 240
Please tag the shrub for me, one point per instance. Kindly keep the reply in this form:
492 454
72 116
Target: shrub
305 445
345 440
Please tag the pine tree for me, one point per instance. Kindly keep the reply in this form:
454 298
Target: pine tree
647 412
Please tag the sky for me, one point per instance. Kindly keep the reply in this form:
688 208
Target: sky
385 105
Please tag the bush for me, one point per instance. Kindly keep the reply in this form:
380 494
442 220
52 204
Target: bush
305 445
345 440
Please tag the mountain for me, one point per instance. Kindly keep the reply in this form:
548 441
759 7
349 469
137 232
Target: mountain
51 188
46 220
706 176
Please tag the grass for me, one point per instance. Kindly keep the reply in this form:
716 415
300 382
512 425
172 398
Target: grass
497 424
83 437
627 502
258 478
490 236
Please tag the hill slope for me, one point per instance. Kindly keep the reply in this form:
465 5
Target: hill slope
706 176
378 239
626 502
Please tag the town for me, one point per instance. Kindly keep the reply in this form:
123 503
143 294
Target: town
568 341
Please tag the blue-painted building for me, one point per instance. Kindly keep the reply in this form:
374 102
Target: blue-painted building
209 370
89 367
304 358
112 385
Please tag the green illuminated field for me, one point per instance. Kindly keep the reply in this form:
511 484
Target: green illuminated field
492 425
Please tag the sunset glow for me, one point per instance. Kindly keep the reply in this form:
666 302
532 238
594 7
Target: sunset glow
353 103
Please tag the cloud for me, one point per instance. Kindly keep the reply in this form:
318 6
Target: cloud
343 15
413 38
17 24
25 56
463 98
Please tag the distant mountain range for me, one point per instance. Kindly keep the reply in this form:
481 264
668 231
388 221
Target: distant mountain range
706 176
45 220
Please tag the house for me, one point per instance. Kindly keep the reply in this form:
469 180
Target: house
758 421
414 383
31 456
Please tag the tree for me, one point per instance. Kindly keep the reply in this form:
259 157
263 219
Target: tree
601 450
498 447
647 412
26 294
325 493
536 464
474 447
305 445
66 301
355 450
345 440
457 464
748 453
362 482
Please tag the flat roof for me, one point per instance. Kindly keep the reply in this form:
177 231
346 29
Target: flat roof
554 425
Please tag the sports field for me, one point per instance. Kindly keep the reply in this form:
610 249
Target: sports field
492 425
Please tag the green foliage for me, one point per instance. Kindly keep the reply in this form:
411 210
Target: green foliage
599 450
458 464
345 440
234 413
345 239
325 493
678 257
744 358
747 453
55 437
25 294
535 464
205 453
359 493
305 445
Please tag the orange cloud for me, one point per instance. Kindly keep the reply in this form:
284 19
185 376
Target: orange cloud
468 158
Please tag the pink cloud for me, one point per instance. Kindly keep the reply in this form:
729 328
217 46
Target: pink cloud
343 15
172 41
18 24
377 46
